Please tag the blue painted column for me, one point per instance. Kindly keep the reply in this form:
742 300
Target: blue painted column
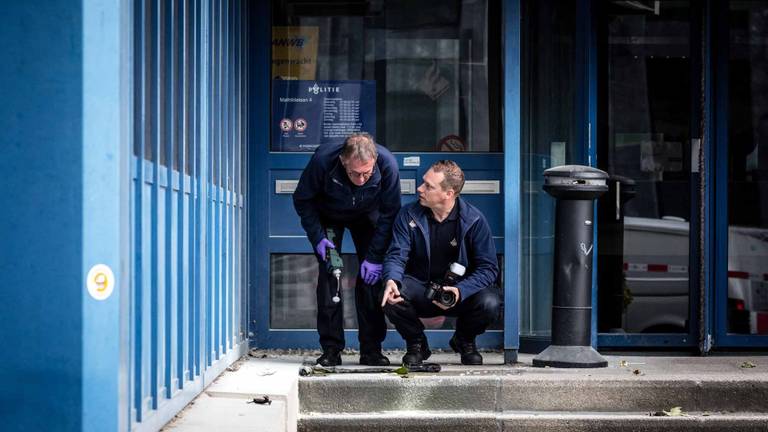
512 237
64 208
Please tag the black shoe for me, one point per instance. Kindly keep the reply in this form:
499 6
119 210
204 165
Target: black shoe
330 357
467 349
373 358
417 351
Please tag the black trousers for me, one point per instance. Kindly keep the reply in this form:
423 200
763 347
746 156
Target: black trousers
372 329
475 314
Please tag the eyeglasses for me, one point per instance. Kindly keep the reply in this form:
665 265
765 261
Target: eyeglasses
365 175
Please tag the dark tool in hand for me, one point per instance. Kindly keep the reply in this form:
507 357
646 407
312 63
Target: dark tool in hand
310 370
333 263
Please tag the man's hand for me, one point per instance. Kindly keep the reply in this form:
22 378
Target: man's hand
391 294
321 247
455 291
370 272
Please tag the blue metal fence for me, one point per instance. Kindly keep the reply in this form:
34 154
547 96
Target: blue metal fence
188 284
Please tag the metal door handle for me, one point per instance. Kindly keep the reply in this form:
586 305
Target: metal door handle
695 153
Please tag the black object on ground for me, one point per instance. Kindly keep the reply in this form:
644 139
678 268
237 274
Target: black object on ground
265 400
315 369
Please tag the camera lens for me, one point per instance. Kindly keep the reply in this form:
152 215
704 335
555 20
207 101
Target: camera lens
447 298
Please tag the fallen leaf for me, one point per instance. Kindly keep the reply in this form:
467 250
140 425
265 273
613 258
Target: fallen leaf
402 370
748 365
674 412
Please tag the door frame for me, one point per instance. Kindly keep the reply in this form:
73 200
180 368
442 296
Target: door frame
261 160
699 236
717 155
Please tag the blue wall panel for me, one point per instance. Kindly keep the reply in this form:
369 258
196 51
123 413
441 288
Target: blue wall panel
63 179
186 204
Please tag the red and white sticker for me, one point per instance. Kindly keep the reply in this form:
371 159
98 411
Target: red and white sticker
300 124
286 125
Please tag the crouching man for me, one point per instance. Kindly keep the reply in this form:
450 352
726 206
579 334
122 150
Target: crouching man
428 236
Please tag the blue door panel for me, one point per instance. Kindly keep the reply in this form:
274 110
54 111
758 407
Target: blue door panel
286 236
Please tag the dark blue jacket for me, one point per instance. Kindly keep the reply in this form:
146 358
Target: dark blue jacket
409 251
325 192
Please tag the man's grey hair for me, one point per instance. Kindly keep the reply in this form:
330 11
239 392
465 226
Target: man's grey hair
360 146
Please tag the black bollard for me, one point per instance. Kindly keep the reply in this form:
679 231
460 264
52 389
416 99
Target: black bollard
574 188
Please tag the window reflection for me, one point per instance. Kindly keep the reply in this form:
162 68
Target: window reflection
748 169
548 139
435 65
294 303
645 145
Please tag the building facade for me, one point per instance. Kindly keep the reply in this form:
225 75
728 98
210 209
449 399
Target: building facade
150 149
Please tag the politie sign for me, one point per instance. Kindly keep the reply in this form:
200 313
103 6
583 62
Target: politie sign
307 114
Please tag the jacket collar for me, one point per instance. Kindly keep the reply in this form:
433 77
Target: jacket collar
468 215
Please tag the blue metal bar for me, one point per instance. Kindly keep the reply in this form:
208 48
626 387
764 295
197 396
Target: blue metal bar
591 130
210 103
140 125
155 249
194 207
224 185
512 237
182 123
245 163
236 252
258 174
216 65
234 161
240 157
203 181
167 135
585 117
715 148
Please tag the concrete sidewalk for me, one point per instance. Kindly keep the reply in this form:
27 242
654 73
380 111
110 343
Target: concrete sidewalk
224 405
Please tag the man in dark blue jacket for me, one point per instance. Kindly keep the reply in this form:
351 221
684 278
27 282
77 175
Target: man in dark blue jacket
354 185
428 236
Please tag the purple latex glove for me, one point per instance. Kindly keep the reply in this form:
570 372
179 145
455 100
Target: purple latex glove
322 245
370 272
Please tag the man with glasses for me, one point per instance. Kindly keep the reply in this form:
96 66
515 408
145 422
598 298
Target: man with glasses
353 185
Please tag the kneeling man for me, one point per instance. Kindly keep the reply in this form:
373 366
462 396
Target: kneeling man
428 236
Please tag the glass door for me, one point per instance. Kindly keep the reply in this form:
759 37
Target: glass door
424 78
649 113
742 187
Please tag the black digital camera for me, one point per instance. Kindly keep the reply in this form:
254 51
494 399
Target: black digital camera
435 290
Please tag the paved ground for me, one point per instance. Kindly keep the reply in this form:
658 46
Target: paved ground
224 405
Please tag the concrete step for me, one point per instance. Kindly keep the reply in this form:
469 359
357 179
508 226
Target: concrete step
508 391
478 421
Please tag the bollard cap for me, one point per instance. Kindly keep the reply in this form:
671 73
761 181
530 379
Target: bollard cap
575 182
